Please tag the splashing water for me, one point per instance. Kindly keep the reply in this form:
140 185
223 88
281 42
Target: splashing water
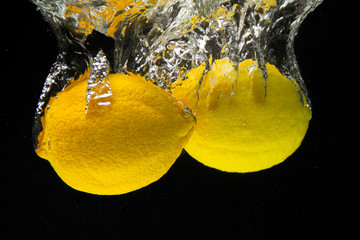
163 40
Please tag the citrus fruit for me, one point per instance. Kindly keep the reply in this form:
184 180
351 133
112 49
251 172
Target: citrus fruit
241 127
117 147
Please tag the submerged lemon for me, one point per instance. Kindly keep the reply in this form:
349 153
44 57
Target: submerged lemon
240 127
118 147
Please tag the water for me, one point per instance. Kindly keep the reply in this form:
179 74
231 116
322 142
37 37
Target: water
99 88
163 40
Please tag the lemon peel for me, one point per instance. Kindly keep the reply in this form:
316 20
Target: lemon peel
240 128
117 148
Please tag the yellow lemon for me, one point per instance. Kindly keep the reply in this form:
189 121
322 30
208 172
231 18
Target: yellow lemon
240 127
116 147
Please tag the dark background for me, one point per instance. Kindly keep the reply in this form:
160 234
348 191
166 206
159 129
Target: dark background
312 195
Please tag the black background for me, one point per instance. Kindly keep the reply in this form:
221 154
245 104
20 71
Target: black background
312 195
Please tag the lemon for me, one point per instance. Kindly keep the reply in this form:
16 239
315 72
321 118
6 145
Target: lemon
117 147
240 127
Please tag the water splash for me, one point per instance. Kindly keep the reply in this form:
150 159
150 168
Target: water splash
163 40
99 88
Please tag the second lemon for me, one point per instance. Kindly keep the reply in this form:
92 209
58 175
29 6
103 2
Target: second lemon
244 124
